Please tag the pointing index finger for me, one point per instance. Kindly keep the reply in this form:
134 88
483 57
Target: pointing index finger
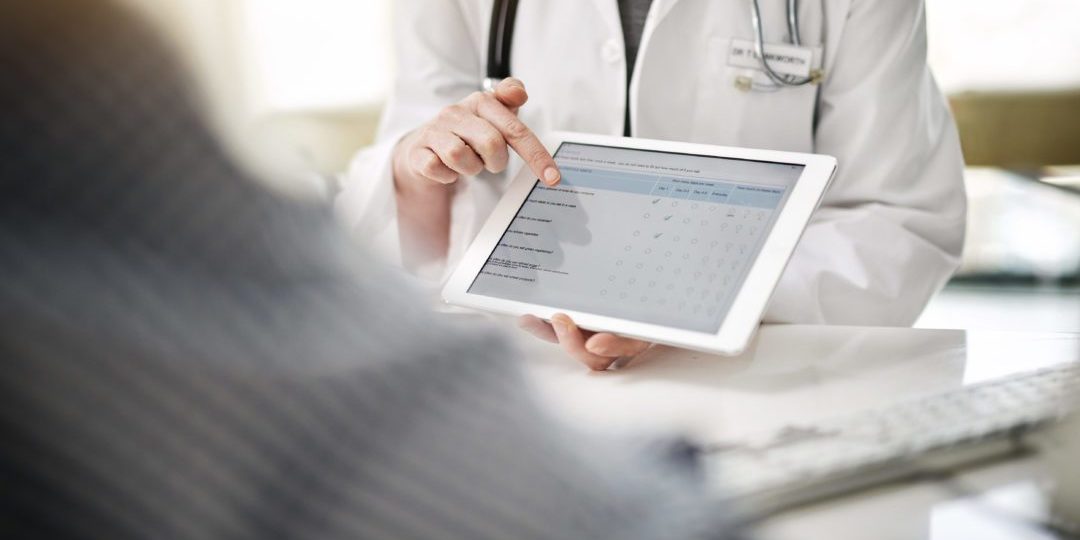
520 138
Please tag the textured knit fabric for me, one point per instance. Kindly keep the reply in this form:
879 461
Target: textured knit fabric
186 355
632 14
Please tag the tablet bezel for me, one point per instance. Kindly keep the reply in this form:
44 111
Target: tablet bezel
744 316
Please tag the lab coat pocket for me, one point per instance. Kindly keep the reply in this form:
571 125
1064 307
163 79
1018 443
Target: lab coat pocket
740 106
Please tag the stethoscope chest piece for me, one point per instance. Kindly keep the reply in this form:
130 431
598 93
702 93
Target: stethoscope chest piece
745 82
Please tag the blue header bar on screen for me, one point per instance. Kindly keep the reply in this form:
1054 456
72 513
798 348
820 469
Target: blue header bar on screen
696 189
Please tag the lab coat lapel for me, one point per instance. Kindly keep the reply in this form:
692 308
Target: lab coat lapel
660 9
657 11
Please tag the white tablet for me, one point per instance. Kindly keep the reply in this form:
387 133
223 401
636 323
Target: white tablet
674 243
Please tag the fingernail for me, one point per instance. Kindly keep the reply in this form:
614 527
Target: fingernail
551 175
561 328
595 349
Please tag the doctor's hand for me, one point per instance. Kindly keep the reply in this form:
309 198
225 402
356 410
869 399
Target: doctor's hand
469 137
596 350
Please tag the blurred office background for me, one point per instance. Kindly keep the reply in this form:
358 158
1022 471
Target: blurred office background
309 78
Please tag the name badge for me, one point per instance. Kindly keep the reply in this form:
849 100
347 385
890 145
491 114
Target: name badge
783 59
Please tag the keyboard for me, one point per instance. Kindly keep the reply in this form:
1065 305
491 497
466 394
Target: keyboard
803 463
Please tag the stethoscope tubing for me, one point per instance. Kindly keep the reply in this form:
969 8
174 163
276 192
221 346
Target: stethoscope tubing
500 38
759 43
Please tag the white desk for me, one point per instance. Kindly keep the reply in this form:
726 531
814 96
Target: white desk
796 373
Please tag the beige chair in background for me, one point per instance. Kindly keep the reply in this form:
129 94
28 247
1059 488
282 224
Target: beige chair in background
1022 130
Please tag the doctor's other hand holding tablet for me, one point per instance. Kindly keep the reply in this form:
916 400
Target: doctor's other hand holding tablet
596 350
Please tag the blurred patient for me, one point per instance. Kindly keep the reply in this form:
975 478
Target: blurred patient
186 355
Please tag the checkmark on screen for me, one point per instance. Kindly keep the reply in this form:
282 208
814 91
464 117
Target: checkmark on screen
657 235
655 201
668 217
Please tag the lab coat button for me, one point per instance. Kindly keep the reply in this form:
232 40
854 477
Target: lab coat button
612 51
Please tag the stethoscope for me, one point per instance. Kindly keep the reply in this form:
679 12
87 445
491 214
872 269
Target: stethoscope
501 35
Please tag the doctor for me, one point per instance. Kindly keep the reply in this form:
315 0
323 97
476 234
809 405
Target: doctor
889 232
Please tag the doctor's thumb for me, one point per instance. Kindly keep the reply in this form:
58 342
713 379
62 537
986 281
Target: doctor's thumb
511 93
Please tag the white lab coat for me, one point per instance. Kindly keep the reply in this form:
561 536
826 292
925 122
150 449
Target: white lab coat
890 230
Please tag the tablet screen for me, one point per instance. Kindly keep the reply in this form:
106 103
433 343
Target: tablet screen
656 237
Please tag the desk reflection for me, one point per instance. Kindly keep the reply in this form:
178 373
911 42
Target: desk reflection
802 373
789 373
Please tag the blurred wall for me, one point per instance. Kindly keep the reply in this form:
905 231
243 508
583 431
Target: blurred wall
280 131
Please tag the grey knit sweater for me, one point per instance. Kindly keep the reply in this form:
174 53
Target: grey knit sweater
186 355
